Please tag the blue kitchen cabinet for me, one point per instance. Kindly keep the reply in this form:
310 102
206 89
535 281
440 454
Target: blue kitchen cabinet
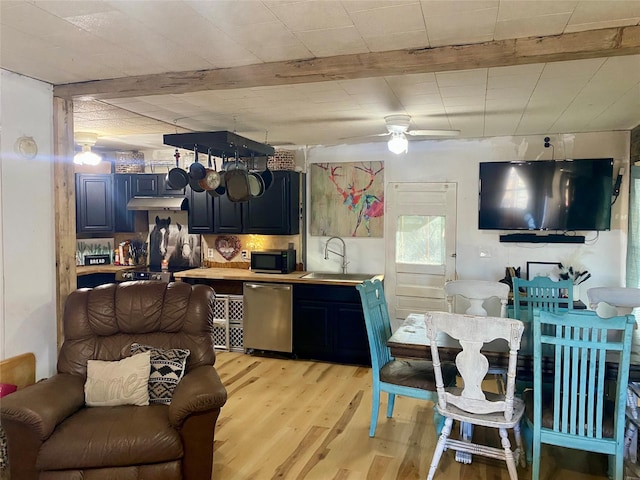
328 324
94 203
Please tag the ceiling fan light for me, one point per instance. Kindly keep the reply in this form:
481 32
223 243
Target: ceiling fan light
86 156
398 143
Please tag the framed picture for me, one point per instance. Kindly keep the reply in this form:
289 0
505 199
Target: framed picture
541 269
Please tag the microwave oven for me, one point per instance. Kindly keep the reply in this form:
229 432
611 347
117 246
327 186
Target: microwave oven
273 261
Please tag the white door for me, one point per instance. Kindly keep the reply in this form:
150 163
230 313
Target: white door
420 242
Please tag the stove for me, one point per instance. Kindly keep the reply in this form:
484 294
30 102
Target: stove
149 273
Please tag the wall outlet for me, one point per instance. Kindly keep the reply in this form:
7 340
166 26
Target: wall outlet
209 252
245 254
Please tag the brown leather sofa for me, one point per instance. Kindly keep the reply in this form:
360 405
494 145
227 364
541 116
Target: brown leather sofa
53 435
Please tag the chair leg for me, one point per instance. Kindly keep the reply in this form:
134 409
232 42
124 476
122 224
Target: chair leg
535 461
438 420
521 453
446 431
390 405
375 405
511 464
527 433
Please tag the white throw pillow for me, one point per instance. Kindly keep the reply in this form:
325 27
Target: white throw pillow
118 383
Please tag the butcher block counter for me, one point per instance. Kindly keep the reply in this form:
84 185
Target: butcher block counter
244 275
91 269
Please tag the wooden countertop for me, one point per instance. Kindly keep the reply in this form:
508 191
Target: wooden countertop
90 269
249 276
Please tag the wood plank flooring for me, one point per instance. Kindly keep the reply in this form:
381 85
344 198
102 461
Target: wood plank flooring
294 419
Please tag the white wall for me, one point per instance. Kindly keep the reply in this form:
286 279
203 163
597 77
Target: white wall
457 161
27 245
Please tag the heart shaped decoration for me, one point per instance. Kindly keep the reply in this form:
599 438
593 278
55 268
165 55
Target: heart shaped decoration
228 246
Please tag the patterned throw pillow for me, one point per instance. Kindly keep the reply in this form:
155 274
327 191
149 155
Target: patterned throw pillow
167 368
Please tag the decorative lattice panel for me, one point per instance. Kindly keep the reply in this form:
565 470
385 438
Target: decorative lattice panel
236 309
220 336
221 308
228 312
236 342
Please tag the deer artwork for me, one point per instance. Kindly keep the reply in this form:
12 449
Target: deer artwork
358 200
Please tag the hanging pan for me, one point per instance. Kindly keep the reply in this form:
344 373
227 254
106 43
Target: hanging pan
194 182
211 179
256 183
237 183
221 189
177 178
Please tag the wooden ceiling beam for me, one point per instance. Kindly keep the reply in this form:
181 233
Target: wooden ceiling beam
569 46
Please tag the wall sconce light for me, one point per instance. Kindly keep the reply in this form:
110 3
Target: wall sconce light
86 157
398 143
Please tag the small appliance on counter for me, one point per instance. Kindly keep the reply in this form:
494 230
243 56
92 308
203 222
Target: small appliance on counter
273 261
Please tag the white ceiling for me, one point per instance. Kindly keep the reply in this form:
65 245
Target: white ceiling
65 41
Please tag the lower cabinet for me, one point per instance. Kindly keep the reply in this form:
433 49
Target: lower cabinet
328 324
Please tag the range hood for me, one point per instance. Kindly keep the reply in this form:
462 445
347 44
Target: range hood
158 203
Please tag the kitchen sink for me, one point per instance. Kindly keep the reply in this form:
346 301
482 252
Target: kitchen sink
339 277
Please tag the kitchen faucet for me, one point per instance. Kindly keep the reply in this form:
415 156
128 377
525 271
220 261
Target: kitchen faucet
343 254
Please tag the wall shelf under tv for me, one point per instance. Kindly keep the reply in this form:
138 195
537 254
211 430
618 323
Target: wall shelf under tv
533 238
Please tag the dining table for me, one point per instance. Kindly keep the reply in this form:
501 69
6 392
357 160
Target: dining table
410 341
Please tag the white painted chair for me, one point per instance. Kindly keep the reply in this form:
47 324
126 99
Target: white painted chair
615 301
470 404
477 294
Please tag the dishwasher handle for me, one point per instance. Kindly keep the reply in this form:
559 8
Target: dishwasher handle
271 286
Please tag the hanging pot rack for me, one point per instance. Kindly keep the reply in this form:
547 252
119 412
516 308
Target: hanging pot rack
222 143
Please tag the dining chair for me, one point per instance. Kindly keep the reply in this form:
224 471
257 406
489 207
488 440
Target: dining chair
574 410
540 293
470 404
476 293
410 378
609 301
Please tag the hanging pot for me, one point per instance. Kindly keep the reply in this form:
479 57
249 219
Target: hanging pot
196 169
256 184
267 178
177 178
194 183
221 189
211 179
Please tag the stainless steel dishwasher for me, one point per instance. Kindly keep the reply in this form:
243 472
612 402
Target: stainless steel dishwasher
267 316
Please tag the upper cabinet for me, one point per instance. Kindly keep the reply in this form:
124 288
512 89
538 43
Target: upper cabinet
94 203
123 192
276 212
101 205
152 185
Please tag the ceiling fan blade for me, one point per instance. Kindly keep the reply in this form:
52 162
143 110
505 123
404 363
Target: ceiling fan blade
366 136
433 133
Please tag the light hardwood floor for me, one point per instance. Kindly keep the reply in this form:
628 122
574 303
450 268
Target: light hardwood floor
294 419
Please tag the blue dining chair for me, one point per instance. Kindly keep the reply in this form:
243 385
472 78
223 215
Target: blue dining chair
410 378
540 293
574 411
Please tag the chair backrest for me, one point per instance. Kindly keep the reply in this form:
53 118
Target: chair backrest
476 292
376 319
101 323
579 344
541 293
473 331
624 300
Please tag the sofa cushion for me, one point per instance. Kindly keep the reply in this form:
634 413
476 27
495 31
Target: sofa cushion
167 368
111 437
124 382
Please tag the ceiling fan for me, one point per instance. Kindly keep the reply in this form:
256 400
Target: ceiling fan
398 128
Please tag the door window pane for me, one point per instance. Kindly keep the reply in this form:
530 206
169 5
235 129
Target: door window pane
420 240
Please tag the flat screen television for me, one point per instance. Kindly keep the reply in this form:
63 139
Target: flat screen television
546 195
